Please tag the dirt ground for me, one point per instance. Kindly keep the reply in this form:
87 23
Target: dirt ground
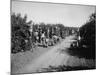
32 62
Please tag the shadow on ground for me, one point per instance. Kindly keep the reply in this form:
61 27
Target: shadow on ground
88 53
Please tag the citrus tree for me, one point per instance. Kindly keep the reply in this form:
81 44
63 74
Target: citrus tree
19 33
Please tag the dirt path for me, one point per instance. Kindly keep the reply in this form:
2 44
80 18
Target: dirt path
53 57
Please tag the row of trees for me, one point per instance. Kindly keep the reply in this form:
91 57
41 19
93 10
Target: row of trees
54 29
19 33
22 32
87 44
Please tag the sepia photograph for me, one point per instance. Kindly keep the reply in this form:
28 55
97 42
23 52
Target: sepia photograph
52 37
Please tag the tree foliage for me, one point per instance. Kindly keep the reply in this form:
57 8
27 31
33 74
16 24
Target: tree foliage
88 32
20 33
87 44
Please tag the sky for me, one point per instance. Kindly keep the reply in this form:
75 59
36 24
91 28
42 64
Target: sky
66 14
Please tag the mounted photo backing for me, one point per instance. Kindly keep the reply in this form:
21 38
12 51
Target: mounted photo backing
52 37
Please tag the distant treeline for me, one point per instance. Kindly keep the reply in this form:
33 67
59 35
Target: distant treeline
22 32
